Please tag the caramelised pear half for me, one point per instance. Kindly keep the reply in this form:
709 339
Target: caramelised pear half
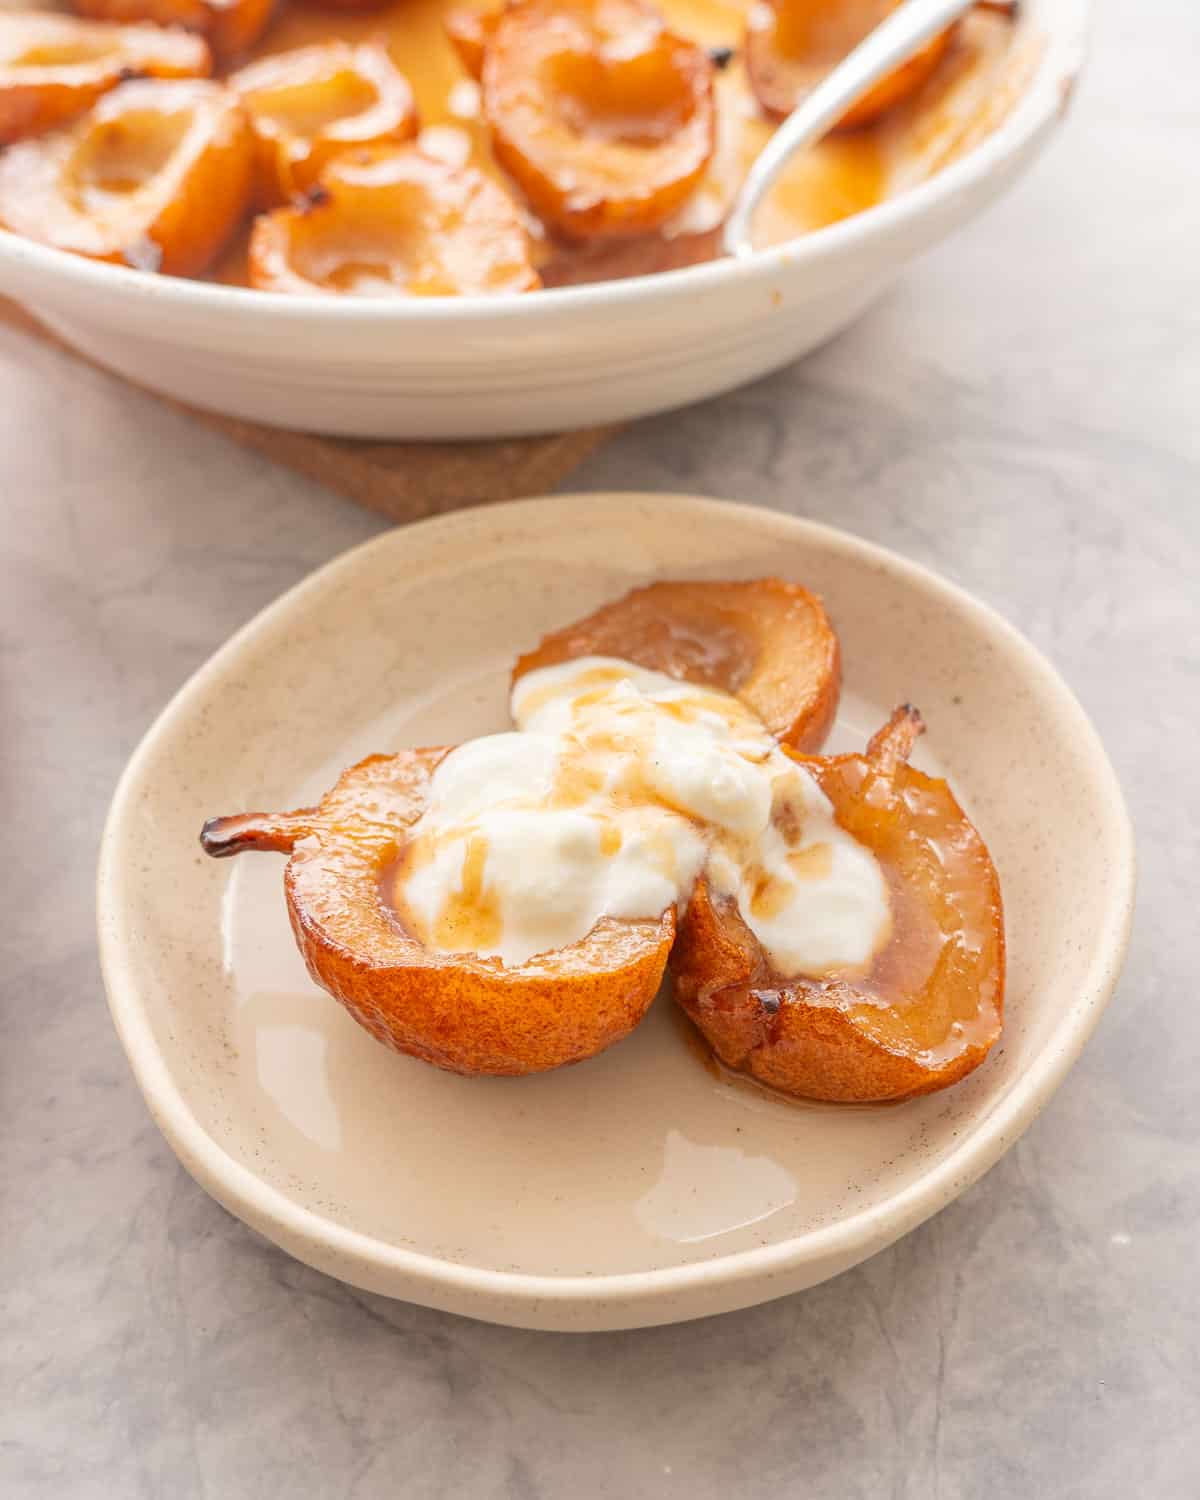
601 114
453 1009
928 1008
53 67
156 175
766 642
791 45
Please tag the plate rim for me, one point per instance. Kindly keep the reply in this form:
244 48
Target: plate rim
857 1234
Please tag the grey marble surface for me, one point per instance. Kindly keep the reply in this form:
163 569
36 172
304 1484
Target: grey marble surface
1022 414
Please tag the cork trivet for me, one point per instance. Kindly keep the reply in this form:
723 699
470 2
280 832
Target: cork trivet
403 481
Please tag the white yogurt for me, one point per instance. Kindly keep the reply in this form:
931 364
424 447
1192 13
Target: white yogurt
619 787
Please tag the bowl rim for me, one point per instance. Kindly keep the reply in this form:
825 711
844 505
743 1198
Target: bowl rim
855 1235
1044 98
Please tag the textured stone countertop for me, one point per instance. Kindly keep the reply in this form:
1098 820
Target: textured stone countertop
1022 413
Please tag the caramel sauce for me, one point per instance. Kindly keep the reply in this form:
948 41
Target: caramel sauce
770 895
470 921
689 710
812 863
592 684
926 983
576 783
610 840
968 96
919 994
789 819
581 776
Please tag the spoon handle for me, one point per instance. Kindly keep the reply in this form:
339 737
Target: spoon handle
892 42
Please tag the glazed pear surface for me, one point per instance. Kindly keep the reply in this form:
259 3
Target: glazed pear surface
919 1014
791 45
766 642
928 1008
465 1014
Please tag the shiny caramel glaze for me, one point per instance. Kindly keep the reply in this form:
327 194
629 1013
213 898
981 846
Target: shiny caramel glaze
978 79
969 92
767 642
831 181
601 115
394 221
930 1007
791 45
460 1012
54 67
968 95
231 27
311 105
155 175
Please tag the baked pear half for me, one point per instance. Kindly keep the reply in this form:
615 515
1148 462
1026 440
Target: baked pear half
458 1011
393 221
791 45
53 67
767 642
157 175
929 1007
602 116
311 105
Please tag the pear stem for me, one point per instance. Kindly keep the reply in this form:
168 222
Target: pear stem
893 744
272 833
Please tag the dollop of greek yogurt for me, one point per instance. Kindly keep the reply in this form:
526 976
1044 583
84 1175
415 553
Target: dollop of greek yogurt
617 789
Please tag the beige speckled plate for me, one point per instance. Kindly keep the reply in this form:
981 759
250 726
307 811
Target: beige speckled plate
637 1188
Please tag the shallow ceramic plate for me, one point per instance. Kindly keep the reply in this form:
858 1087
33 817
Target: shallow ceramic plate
638 1187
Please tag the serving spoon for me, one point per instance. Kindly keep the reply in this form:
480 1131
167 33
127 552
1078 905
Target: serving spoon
904 32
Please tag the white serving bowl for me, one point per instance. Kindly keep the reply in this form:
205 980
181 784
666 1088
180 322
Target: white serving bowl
476 367
634 1188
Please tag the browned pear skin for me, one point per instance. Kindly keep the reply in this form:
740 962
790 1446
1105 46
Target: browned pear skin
767 642
460 1012
230 27
602 116
875 1036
